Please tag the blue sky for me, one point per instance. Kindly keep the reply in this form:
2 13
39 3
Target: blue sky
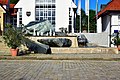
93 3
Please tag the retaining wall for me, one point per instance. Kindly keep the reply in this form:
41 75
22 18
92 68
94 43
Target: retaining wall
85 50
101 39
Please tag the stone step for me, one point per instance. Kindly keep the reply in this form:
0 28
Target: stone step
63 57
84 50
3 47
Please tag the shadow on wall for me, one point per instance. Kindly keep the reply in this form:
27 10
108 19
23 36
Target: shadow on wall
0 32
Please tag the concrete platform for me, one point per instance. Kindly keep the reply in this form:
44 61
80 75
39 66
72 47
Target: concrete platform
84 50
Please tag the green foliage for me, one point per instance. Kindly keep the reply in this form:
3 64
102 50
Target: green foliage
92 21
14 1
117 41
12 37
84 21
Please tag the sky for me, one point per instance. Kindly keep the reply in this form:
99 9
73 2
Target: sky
93 3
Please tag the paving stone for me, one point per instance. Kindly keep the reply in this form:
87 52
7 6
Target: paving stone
59 70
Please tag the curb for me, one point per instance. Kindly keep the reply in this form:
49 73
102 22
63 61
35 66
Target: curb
54 58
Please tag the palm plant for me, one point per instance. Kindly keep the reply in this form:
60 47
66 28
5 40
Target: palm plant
12 37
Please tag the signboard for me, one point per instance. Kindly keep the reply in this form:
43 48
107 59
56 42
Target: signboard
28 13
115 31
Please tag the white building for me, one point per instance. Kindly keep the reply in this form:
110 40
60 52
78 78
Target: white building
109 19
59 12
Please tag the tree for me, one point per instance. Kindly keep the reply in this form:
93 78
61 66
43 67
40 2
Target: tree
14 1
92 21
84 21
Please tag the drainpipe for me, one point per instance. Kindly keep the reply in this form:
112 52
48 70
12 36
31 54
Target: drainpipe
110 33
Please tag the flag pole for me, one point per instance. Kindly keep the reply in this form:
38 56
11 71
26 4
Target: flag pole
80 14
71 13
88 24
96 11
80 21
88 18
87 13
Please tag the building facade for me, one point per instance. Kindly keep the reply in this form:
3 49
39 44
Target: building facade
2 12
59 12
7 14
109 19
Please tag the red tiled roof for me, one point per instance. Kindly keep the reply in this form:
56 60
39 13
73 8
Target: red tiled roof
114 5
12 10
12 5
3 1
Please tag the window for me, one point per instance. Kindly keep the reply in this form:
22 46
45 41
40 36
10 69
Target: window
70 21
53 13
45 10
20 16
53 6
53 1
41 18
41 1
53 18
49 13
49 6
37 1
118 17
41 13
37 13
49 1
119 20
49 18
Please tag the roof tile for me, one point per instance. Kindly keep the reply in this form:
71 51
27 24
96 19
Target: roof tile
114 5
3 2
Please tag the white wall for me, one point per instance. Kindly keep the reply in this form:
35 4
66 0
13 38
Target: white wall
29 5
115 23
62 12
106 24
101 39
26 5
99 25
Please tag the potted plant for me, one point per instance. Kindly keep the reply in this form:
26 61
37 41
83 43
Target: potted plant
118 43
13 38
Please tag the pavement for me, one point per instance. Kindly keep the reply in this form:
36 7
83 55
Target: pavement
60 66
59 70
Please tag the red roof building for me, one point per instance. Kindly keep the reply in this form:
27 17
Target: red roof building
12 10
11 13
114 5
109 19
4 2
